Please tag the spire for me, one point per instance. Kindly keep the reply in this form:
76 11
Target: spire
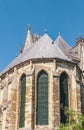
29 39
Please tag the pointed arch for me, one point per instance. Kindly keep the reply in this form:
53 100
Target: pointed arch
42 99
63 96
22 100
42 70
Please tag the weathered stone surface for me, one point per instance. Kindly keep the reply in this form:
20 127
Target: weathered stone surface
11 92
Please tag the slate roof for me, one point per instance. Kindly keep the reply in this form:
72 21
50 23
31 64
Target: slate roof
68 51
42 48
61 43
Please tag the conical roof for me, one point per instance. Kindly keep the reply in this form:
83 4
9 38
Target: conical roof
61 43
42 48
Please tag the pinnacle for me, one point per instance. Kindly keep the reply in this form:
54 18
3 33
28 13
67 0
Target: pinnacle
29 39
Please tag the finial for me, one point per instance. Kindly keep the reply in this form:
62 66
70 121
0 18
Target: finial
36 34
16 54
21 49
29 27
45 30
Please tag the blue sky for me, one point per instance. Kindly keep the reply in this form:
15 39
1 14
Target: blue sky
64 16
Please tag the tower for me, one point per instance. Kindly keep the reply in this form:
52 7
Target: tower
80 51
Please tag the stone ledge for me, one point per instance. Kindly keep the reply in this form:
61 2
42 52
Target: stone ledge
39 128
25 129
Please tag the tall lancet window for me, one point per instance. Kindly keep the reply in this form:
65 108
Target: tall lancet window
63 97
22 101
42 99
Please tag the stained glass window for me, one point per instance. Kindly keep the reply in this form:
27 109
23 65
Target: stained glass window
63 97
22 101
42 99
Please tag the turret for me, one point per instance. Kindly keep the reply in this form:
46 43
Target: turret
80 51
79 40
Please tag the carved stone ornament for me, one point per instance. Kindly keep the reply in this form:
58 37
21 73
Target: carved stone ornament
4 107
2 86
1 110
31 72
10 80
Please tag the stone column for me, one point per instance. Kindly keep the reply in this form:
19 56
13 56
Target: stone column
4 103
8 108
13 105
12 111
1 113
78 91
33 101
74 91
82 93
56 101
78 99
29 100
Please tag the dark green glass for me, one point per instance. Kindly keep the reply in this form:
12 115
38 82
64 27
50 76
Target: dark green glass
63 97
22 101
42 99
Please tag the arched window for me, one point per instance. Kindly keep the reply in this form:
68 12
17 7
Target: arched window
22 101
42 99
63 97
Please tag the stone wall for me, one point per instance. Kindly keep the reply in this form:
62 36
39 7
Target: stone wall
10 93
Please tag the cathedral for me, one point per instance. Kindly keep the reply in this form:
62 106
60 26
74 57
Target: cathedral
40 82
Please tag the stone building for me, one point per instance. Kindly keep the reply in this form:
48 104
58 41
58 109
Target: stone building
40 82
